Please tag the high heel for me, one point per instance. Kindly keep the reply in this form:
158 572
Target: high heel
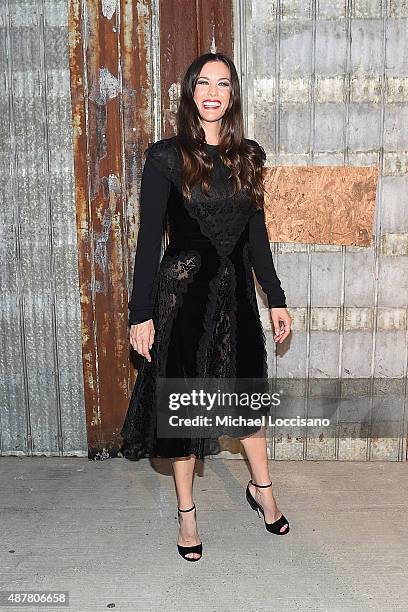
185 550
274 527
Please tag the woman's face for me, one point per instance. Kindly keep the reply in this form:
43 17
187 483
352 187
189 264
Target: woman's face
212 91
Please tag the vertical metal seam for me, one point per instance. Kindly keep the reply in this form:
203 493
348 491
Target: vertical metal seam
276 126
122 147
91 287
249 71
155 69
237 43
16 221
377 238
241 50
347 83
403 441
155 80
197 21
235 21
50 229
310 248
344 250
312 85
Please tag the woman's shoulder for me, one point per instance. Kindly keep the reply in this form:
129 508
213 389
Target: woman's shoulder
164 149
257 147
164 154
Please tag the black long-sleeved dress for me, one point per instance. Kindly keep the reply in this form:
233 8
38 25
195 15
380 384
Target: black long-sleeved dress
201 295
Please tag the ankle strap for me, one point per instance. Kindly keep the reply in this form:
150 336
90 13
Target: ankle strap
261 486
189 510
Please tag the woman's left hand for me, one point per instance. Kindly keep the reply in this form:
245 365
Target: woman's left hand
282 322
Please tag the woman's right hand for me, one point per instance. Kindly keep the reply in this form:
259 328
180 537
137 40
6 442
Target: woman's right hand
141 337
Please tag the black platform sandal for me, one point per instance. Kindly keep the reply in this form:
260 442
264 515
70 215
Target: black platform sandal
184 550
271 527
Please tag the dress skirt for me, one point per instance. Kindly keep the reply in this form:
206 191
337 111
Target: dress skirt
207 324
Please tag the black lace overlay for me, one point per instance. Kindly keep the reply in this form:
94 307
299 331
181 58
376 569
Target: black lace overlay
217 349
202 297
176 273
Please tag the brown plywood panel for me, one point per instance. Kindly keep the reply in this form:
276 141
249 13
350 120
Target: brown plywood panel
321 204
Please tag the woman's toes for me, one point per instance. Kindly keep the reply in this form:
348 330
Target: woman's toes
193 556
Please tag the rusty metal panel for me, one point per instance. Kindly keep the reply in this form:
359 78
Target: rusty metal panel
106 38
42 408
206 27
137 55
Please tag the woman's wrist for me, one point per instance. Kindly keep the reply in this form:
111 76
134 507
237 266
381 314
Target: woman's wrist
136 321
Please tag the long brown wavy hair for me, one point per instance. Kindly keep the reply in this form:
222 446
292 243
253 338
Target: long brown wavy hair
243 159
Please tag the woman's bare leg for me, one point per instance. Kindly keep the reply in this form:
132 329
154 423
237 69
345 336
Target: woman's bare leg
255 449
183 469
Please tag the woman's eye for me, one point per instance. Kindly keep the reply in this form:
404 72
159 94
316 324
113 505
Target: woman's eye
205 83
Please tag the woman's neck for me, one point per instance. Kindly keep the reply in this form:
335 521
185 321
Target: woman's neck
211 137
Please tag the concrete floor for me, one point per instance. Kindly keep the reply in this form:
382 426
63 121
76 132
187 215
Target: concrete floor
106 532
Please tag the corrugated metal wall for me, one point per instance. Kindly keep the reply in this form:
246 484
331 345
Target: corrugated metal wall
323 84
41 384
326 84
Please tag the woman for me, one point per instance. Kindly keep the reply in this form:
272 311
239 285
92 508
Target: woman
197 315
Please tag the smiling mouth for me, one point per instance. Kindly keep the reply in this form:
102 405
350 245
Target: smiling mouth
211 104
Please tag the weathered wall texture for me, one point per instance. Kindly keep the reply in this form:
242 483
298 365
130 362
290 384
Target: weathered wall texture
41 384
86 85
112 93
327 85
